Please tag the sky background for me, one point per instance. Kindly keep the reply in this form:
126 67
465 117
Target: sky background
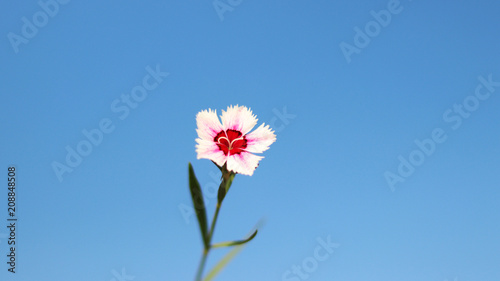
343 122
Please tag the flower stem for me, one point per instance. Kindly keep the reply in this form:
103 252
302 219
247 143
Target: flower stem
212 227
202 265
209 247
227 180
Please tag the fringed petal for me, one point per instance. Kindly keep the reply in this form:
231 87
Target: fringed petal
238 118
259 140
209 150
243 163
208 124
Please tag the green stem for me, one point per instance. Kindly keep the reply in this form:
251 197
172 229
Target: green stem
202 265
212 227
227 180
209 247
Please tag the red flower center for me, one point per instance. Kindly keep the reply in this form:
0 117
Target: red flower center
231 142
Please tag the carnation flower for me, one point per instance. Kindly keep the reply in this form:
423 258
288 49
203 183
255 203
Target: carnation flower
231 143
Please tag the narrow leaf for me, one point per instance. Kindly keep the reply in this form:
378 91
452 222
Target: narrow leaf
227 180
230 256
221 193
222 263
199 205
234 243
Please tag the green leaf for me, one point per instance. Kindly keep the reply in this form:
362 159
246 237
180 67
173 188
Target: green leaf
199 206
234 243
227 180
221 193
222 263
231 255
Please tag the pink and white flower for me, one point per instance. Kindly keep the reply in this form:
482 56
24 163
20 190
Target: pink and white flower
231 143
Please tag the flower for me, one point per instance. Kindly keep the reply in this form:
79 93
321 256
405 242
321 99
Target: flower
230 143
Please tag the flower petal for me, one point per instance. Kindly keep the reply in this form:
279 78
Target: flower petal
259 140
238 118
208 124
208 149
243 163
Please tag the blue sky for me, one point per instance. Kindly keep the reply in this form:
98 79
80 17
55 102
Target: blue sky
387 148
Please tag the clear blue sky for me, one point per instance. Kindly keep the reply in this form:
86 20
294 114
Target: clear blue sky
358 93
